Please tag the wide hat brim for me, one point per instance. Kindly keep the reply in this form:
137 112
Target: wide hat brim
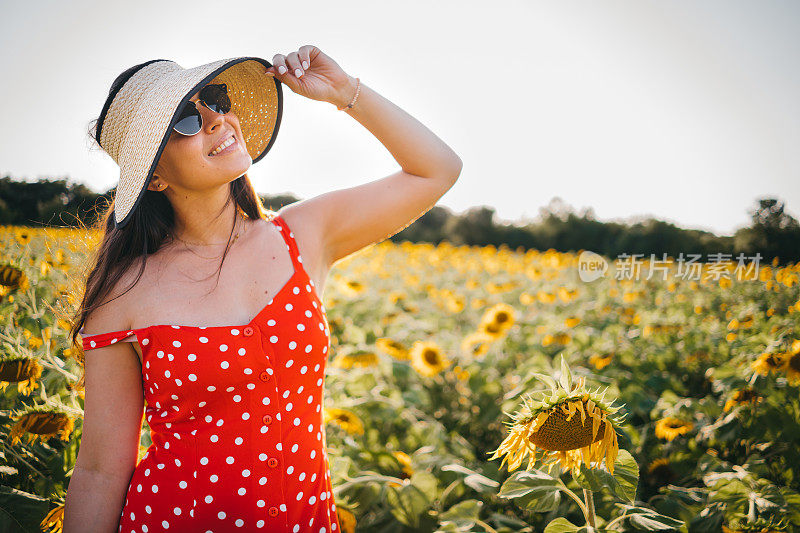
140 119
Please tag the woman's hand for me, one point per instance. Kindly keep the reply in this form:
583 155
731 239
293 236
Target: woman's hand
310 73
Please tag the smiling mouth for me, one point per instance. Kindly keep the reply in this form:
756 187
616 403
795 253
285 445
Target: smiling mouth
230 141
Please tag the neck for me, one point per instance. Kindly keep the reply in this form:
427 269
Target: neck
208 227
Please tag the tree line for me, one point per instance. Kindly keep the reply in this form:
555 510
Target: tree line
772 233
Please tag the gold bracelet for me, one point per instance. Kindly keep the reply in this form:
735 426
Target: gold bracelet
353 101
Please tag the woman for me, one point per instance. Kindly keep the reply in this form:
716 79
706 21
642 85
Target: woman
231 371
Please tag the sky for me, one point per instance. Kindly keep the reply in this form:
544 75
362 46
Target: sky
686 111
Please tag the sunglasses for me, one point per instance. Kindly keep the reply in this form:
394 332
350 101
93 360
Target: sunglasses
214 97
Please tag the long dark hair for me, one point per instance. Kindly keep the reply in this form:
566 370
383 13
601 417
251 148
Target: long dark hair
151 225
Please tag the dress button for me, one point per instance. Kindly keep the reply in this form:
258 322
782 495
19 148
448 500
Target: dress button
267 419
264 375
273 511
272 462
248 331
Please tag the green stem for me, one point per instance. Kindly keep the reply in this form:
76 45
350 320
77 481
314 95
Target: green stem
577 500
590 518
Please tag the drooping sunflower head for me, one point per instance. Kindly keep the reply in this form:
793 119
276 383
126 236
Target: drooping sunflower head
22 370
570 426
41 422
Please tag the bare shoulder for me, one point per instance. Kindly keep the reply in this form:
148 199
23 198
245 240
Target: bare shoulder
309 233
113 312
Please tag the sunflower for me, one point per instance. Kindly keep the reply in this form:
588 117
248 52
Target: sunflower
346 519
42 423
497 320
24 371
768 362
550 430
427 358
791 364
361 359
660 472
601 361
345 419
742 396
477 343
405 462
670 427
13 278
353 287
54 521
392 348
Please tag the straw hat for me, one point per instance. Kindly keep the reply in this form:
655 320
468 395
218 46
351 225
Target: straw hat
136 122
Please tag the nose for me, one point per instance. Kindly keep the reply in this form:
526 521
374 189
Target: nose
211 119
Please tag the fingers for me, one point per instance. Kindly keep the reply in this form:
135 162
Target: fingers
293 61
294 64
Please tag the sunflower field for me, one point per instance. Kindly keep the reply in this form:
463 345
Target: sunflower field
479 389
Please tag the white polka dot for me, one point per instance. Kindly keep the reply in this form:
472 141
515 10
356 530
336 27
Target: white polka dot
234 332
301 327
192 357
224 364
292 345
155 488
209 499
192 377
204 460
214 478
312 499
177 510
176 344
245 473
273 339
203 339
303 369
299 496
223 347
239 440
242 491
239 522
229 460
289 307
165 524
221 515
261 503
294 447
245 416
242 351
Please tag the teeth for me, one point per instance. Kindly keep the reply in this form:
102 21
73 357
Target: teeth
224 145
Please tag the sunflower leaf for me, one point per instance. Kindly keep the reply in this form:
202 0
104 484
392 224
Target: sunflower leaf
562 525
534 490
622 483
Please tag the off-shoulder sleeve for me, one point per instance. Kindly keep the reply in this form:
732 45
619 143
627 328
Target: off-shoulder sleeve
104 339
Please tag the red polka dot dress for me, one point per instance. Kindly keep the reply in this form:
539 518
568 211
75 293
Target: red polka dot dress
235 414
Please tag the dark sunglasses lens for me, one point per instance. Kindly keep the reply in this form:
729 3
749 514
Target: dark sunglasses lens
190 121
216 98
